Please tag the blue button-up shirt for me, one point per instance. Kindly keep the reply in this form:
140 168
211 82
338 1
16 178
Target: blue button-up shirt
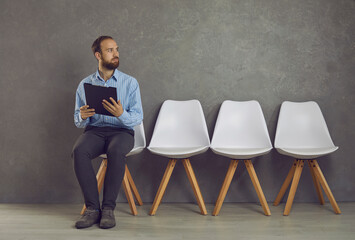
127 91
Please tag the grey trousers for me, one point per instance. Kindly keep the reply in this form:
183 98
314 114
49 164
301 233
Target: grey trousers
116 143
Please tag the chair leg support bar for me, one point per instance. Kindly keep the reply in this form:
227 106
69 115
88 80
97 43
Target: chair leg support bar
296 179
225 186
194 184
325 186
162 187
316 183
285 184
257 186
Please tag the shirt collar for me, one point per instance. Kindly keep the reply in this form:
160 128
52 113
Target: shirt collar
114 76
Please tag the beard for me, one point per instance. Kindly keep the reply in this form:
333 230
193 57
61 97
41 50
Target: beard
111 65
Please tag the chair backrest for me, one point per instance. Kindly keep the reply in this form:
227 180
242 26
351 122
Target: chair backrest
241 125
302 125
180 124
139 140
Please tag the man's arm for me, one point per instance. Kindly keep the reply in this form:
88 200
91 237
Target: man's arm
79 107
131 116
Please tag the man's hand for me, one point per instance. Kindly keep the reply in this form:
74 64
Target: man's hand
115 108
86 112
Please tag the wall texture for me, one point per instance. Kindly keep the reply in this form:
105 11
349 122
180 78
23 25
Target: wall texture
267 50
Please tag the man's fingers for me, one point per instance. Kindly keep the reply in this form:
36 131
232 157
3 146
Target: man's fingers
108 106
114 102
84 107
88 115
85 112
85 115
105 102
88 110
108 109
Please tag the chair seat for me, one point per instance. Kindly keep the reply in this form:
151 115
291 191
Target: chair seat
307 153
240 153
180 152
134 151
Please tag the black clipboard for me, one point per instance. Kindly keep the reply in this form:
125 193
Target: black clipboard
95 94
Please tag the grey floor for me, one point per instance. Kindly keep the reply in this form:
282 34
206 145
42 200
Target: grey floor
181 221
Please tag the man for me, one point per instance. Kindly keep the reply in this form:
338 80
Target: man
105 134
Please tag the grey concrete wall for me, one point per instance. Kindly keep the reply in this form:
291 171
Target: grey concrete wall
266 50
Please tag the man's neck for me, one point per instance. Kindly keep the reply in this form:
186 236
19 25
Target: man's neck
105 73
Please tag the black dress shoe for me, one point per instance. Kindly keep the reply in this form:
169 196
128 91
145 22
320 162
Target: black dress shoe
89 218
107 219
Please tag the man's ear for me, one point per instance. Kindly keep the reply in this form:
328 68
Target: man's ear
98 56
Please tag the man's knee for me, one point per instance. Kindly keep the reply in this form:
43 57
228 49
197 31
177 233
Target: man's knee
121 146
80 151
117 153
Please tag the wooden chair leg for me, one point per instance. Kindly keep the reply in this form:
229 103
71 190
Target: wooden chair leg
162 187
133 187
225 186
325 186
129 195
296 179
194 184
285 184
256 183
100 176
316 183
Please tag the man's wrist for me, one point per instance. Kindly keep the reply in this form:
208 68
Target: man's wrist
119 114
81 117
123 115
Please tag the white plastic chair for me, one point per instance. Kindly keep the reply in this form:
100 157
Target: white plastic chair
303 134
241 133
128 183
180 132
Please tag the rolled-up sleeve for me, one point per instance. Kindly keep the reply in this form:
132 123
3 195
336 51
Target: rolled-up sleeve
79 101
133 114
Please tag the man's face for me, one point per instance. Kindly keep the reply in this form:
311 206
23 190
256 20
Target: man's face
109 54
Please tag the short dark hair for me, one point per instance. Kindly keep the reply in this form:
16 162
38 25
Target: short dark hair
96 46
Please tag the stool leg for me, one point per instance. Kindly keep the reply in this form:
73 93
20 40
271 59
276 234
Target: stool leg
133 187
194 184
129 195
225 186
296 179
256 183
316 183
162 187
285 184
325 186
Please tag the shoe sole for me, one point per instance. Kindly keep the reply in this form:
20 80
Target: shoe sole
81 227
107 227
